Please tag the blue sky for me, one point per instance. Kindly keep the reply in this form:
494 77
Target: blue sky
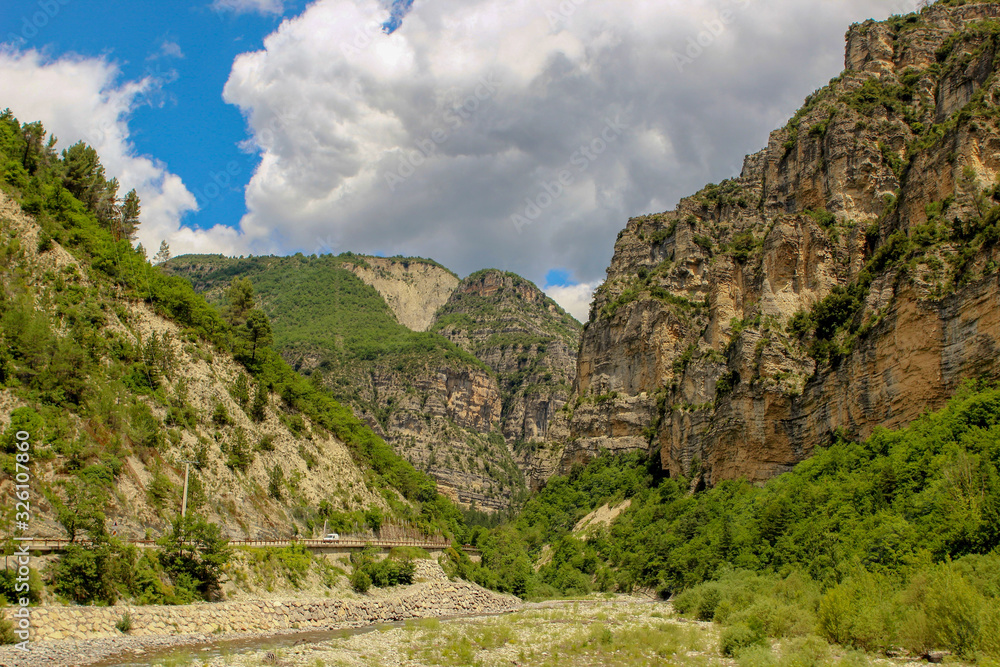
515 134
188 49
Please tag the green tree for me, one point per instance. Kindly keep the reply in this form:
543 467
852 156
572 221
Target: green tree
258 332
81 510
276 482
257 410
241 390
84 174
163 254
194 554
240 296
99 571
130 212
23 419
34 137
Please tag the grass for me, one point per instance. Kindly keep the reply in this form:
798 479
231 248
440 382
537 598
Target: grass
591 632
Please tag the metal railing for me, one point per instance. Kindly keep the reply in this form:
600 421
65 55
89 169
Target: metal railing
344 542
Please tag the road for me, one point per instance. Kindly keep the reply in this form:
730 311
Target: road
49 545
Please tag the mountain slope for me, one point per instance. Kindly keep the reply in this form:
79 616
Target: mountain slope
438 405
121 374
847 279
414 288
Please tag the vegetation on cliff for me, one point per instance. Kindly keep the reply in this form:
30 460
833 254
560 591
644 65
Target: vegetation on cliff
888 542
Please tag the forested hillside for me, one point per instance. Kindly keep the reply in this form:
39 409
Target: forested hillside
121 374
890 542
468 402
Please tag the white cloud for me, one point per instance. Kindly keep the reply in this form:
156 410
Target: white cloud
169 49
575 299
427 141
249 6
81 99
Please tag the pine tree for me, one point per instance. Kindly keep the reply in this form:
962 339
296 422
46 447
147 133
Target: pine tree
163 254
130 211
258 331
240 296
241 391
259 404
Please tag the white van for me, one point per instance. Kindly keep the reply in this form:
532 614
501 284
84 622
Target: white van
331 537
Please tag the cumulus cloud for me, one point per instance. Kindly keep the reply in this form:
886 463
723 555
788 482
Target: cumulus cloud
249 6
516 133
574 298
81 99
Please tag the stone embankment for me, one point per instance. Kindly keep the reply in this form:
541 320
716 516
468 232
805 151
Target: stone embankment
73 635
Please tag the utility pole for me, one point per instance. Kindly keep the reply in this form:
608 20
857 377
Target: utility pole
184 503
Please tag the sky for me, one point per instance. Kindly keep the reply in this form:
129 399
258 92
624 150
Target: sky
510 134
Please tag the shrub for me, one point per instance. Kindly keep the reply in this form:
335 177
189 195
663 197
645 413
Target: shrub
835 612
360 581
737 638
124 624
44 243
220 415
7 635
709 601
266 443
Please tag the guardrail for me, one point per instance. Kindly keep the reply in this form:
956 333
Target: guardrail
351 543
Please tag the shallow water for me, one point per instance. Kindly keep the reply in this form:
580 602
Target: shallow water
250 644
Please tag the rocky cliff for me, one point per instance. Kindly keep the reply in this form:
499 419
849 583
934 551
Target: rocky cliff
847 279
413 288
531 345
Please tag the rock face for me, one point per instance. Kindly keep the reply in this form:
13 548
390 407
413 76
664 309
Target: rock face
846 280
413 289
529 342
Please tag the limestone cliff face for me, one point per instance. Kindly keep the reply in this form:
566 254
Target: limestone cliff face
413 289
846 280
529 342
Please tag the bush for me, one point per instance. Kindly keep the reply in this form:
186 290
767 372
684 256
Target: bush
737 638
124 624
220 415
7 635
360 581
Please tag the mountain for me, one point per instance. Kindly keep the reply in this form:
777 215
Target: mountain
529 342
122 375
846 280
439 367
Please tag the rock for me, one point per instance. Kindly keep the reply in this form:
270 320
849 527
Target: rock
689 351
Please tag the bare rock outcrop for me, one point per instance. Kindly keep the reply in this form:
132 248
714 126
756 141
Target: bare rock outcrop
847 279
